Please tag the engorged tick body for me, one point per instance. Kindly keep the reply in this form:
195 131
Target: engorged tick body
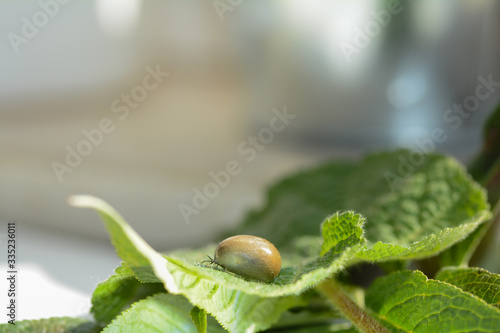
249 256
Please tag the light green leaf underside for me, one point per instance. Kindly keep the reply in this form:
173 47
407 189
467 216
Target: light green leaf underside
409 302
224 295
156 314
415 205
52 325
477 281
436 206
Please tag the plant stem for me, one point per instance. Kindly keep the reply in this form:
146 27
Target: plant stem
362 320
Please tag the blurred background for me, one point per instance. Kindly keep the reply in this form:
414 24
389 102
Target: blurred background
138 102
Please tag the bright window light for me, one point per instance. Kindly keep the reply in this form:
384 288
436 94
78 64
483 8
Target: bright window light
117 18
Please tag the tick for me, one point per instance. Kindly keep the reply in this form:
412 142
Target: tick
249 256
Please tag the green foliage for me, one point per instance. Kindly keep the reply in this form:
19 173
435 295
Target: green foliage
156 314
52 325
389 208
476 281
227 296
402 201
407 301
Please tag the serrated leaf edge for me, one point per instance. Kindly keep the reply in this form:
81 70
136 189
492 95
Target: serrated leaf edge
439 282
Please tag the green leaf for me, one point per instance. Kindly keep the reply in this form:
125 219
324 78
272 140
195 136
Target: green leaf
224 295
409 302
52 325
415 205
111 296
121 289
199 317
158 313
477 281
341 227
